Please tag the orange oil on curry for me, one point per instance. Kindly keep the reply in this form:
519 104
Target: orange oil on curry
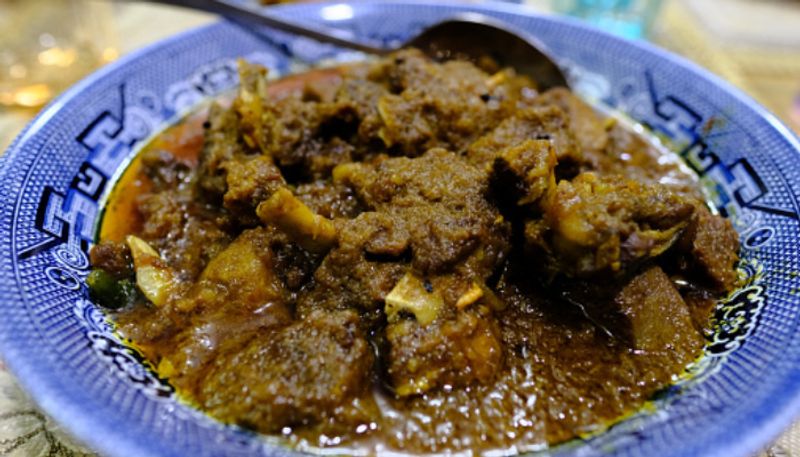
184 141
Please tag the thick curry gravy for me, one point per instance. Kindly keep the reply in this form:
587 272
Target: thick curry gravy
412 256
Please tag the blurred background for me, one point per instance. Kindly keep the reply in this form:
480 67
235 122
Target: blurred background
48 45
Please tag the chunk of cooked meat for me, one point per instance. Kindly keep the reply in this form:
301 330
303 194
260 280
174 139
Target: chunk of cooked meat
425 107
292 129
526 171
237 295
429 213
248 183
165 170
453 352
534 123
329 200
586 124
295 376
223 142
606 224
439 201
356 101
359 271
186 232
212 334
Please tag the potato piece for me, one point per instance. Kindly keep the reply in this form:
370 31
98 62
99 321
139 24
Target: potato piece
659 318
243 270
711 246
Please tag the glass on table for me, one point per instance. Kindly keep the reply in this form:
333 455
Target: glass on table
47 45
629 18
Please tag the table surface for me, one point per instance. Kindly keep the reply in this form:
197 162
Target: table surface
764 62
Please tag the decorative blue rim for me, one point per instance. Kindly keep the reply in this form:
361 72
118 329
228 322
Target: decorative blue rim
738 437
89 429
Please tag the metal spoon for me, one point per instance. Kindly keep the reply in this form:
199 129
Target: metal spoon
469 35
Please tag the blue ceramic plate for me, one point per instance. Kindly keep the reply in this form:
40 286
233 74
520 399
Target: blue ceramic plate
54 178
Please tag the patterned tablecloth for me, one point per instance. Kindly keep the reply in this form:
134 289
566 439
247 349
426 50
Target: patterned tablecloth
25 431
767 67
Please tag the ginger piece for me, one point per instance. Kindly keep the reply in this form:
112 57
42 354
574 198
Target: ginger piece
311 231
472 295
411 295
153 277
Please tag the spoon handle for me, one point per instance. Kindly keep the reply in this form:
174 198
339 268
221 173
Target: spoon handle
245 11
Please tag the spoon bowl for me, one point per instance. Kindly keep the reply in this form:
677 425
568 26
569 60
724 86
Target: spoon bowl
474 37
470 36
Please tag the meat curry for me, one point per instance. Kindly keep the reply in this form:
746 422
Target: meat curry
408 255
